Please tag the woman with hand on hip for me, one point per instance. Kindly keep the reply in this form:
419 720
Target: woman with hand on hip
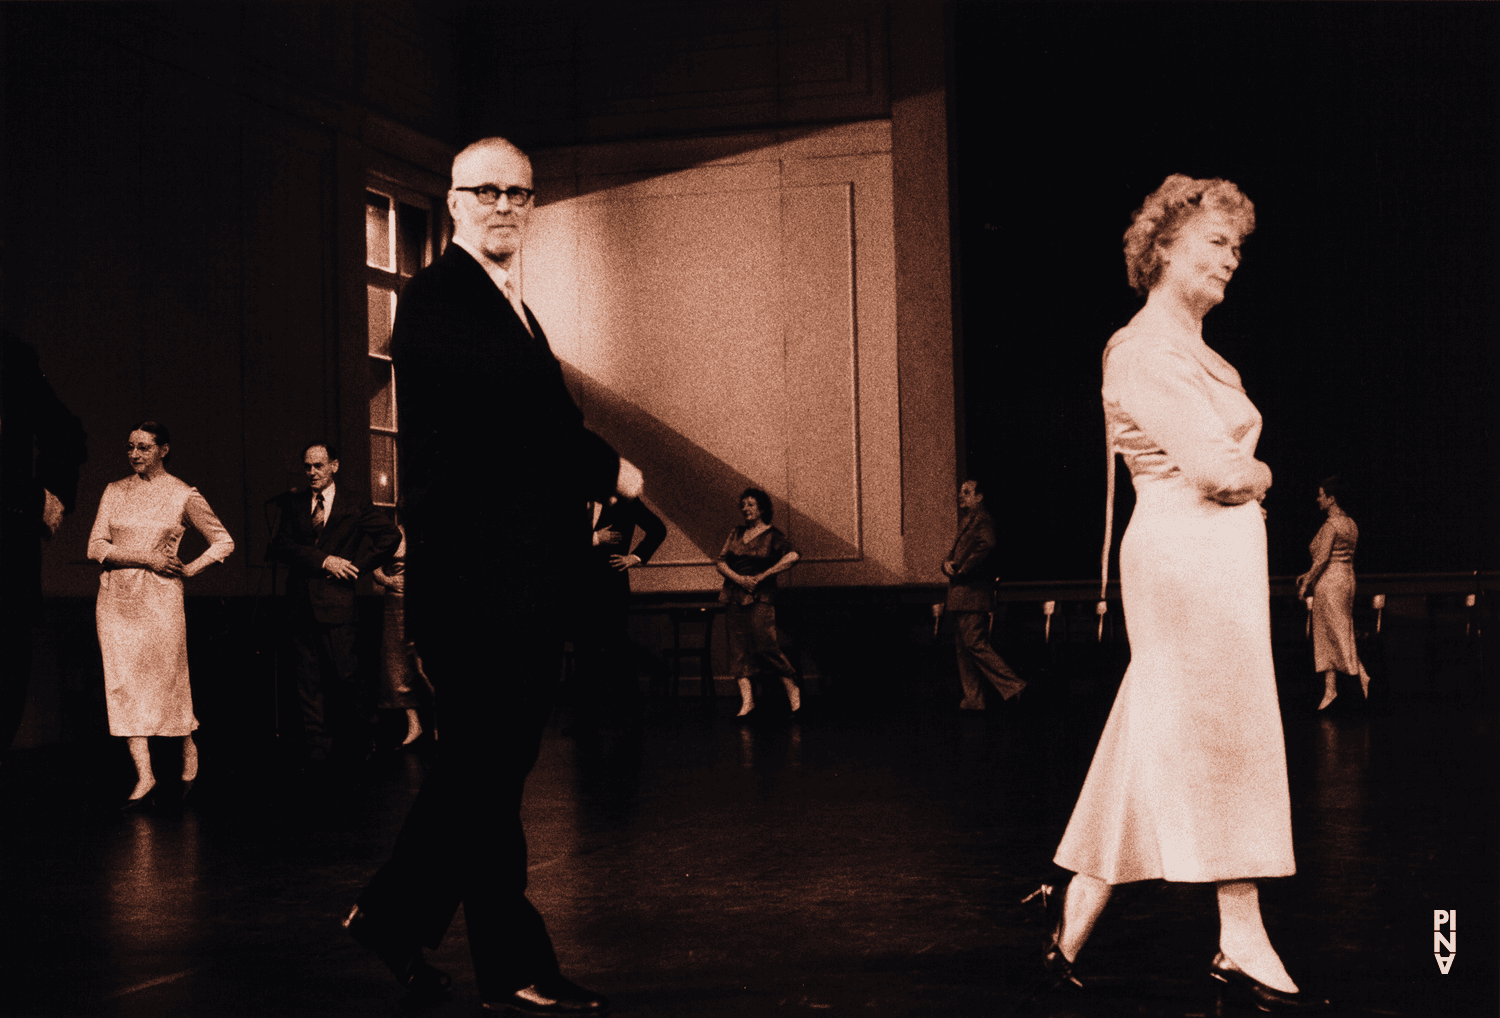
752 556
1188 782
142 629
1331 579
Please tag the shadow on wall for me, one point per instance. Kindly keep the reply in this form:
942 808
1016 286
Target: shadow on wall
691 486
649 161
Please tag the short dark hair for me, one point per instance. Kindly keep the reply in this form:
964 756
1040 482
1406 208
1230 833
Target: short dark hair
762 500
1333 486
158 431
980 485
329 447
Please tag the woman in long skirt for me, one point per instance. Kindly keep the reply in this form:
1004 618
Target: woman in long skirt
752 557
1189 779
142 629
1331 580
403 687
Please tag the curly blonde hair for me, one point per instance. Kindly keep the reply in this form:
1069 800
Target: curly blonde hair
1161 215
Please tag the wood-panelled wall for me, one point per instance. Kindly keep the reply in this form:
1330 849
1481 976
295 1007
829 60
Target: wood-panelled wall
726 312
183 240
183 222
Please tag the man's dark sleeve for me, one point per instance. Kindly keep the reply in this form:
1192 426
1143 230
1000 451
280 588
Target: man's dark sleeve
60 443
383 536
981 543
285 547
653 530
538 429
62 447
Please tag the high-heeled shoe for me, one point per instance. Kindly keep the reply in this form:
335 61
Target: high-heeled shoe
1057 970
143 802
1235 981
187 786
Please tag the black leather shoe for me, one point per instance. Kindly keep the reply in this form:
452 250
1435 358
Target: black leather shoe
427 983
404 960
1234 981
1057 972
556 996
144 802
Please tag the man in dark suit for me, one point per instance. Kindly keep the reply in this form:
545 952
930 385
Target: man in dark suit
328 536
496 467
604 682
971 598
41 447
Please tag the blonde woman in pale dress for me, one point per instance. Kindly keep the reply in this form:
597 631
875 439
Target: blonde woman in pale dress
1189 779
1331 579
142 632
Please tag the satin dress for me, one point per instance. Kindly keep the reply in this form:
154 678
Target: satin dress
1188 782
1333 596
142 628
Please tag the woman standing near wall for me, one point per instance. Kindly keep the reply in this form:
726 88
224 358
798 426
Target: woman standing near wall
142 628
752 556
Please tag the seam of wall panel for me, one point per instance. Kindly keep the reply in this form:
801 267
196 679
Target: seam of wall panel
854 366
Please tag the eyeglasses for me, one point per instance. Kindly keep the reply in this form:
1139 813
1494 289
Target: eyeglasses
489 194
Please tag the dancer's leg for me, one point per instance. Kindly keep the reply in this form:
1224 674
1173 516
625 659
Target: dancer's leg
1084 899
189 758
140 752
1243 938
793 693
1330 688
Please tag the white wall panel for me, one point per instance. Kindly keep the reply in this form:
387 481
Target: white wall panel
726 317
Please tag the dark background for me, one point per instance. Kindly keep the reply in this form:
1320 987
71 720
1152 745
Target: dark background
1362 319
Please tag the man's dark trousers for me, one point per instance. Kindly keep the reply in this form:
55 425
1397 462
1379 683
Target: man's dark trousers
328 693
490 564
463 839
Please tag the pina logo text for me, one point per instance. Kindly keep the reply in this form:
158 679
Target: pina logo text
1444 941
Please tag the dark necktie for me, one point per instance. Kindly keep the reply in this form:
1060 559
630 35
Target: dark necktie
319 516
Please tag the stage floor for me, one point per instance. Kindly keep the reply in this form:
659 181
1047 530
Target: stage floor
867 859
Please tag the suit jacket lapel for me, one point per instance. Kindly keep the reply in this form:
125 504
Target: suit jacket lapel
304 527
970 519
340 513
495 304
537 336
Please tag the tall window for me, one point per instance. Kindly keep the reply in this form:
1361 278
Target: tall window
398 241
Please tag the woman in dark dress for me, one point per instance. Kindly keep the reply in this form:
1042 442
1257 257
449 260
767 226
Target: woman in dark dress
402 685
752 556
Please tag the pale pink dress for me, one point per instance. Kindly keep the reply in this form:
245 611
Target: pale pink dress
1189 779
142 630
1333 596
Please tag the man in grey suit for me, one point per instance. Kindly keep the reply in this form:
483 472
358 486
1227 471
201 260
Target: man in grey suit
971 597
